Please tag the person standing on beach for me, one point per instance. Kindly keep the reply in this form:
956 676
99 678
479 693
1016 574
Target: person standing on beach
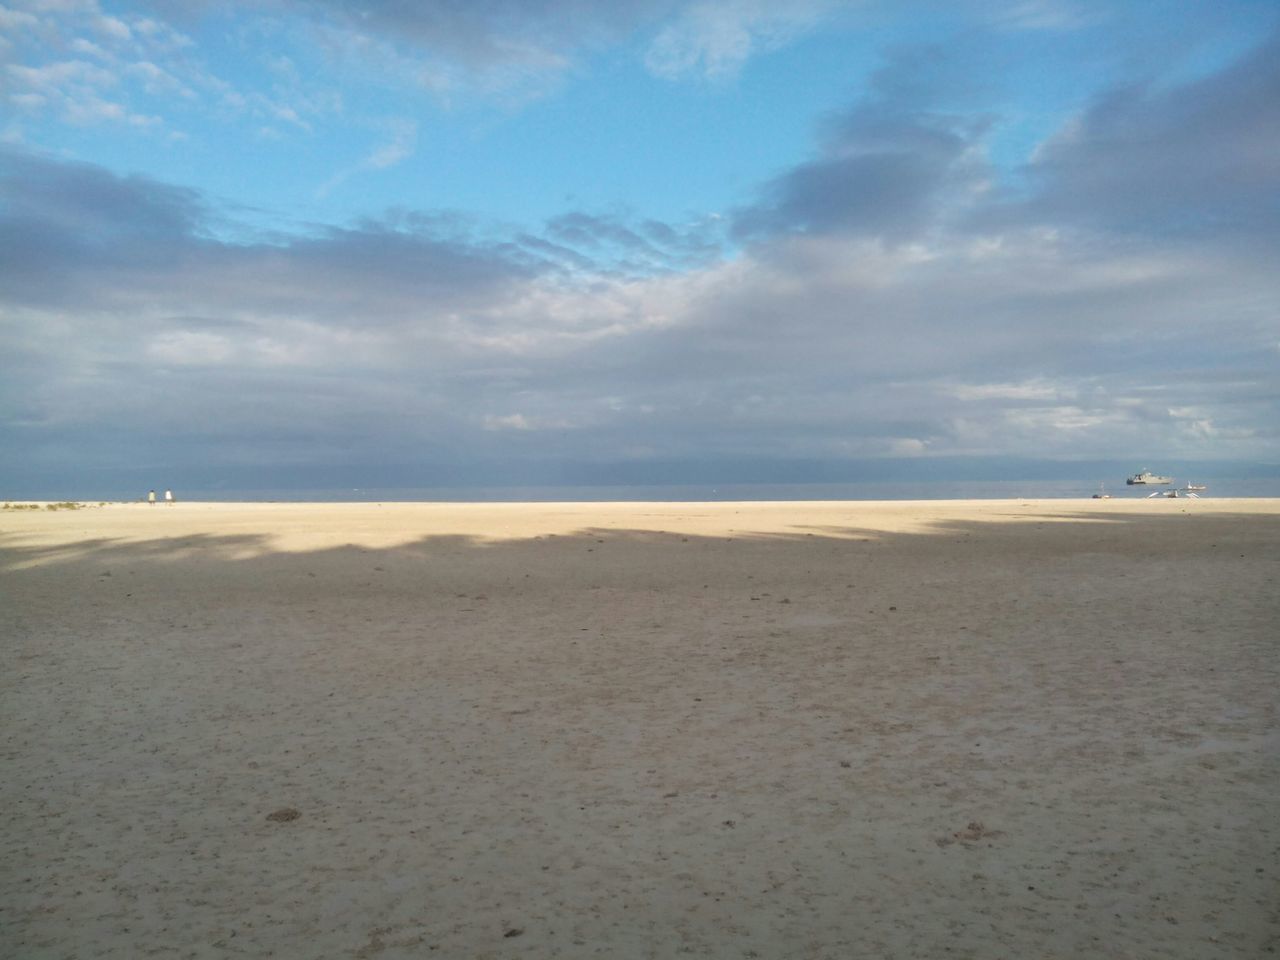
151 497
168 497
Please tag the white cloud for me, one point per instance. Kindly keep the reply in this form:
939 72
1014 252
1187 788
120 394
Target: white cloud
716 38
89 48
28 101
112 28
11 19
125 66
513 421
57 77
907 446
397 148
1027 390
78 91
191 348
1042 15
157 81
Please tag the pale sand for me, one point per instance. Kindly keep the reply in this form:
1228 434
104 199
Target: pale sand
642 730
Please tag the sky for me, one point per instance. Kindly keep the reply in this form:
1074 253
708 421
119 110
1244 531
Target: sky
507 241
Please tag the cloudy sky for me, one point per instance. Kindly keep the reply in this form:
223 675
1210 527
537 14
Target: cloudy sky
376 242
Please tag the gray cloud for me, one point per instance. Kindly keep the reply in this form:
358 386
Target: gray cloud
887 167
637 248
1193 159
82 236
885 178
63 222
489 32
69 197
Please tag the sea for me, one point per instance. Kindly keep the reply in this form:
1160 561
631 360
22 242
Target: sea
706 493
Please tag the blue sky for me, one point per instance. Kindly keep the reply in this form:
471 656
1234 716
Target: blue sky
340 236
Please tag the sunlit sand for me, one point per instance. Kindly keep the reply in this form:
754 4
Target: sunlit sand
967 729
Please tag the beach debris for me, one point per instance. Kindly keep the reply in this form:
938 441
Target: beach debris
514 932
284 815
970 835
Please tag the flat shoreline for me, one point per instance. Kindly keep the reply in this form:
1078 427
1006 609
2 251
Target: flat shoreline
293 526
778 729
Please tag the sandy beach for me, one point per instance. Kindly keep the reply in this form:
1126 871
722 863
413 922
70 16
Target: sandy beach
984 729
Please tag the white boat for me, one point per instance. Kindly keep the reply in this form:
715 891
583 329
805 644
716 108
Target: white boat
1196 486
1146 476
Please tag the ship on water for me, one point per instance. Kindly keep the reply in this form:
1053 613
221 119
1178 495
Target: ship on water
1146 476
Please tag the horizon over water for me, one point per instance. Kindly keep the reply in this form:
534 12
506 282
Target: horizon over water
1255 487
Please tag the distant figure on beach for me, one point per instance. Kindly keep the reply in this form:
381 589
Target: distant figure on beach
168 497
151 497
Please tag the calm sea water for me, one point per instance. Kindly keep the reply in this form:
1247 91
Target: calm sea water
910 490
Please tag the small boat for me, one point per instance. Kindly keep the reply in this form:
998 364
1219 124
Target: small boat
1102 493
1146 476
1196 486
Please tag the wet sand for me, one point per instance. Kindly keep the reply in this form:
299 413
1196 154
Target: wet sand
965 729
